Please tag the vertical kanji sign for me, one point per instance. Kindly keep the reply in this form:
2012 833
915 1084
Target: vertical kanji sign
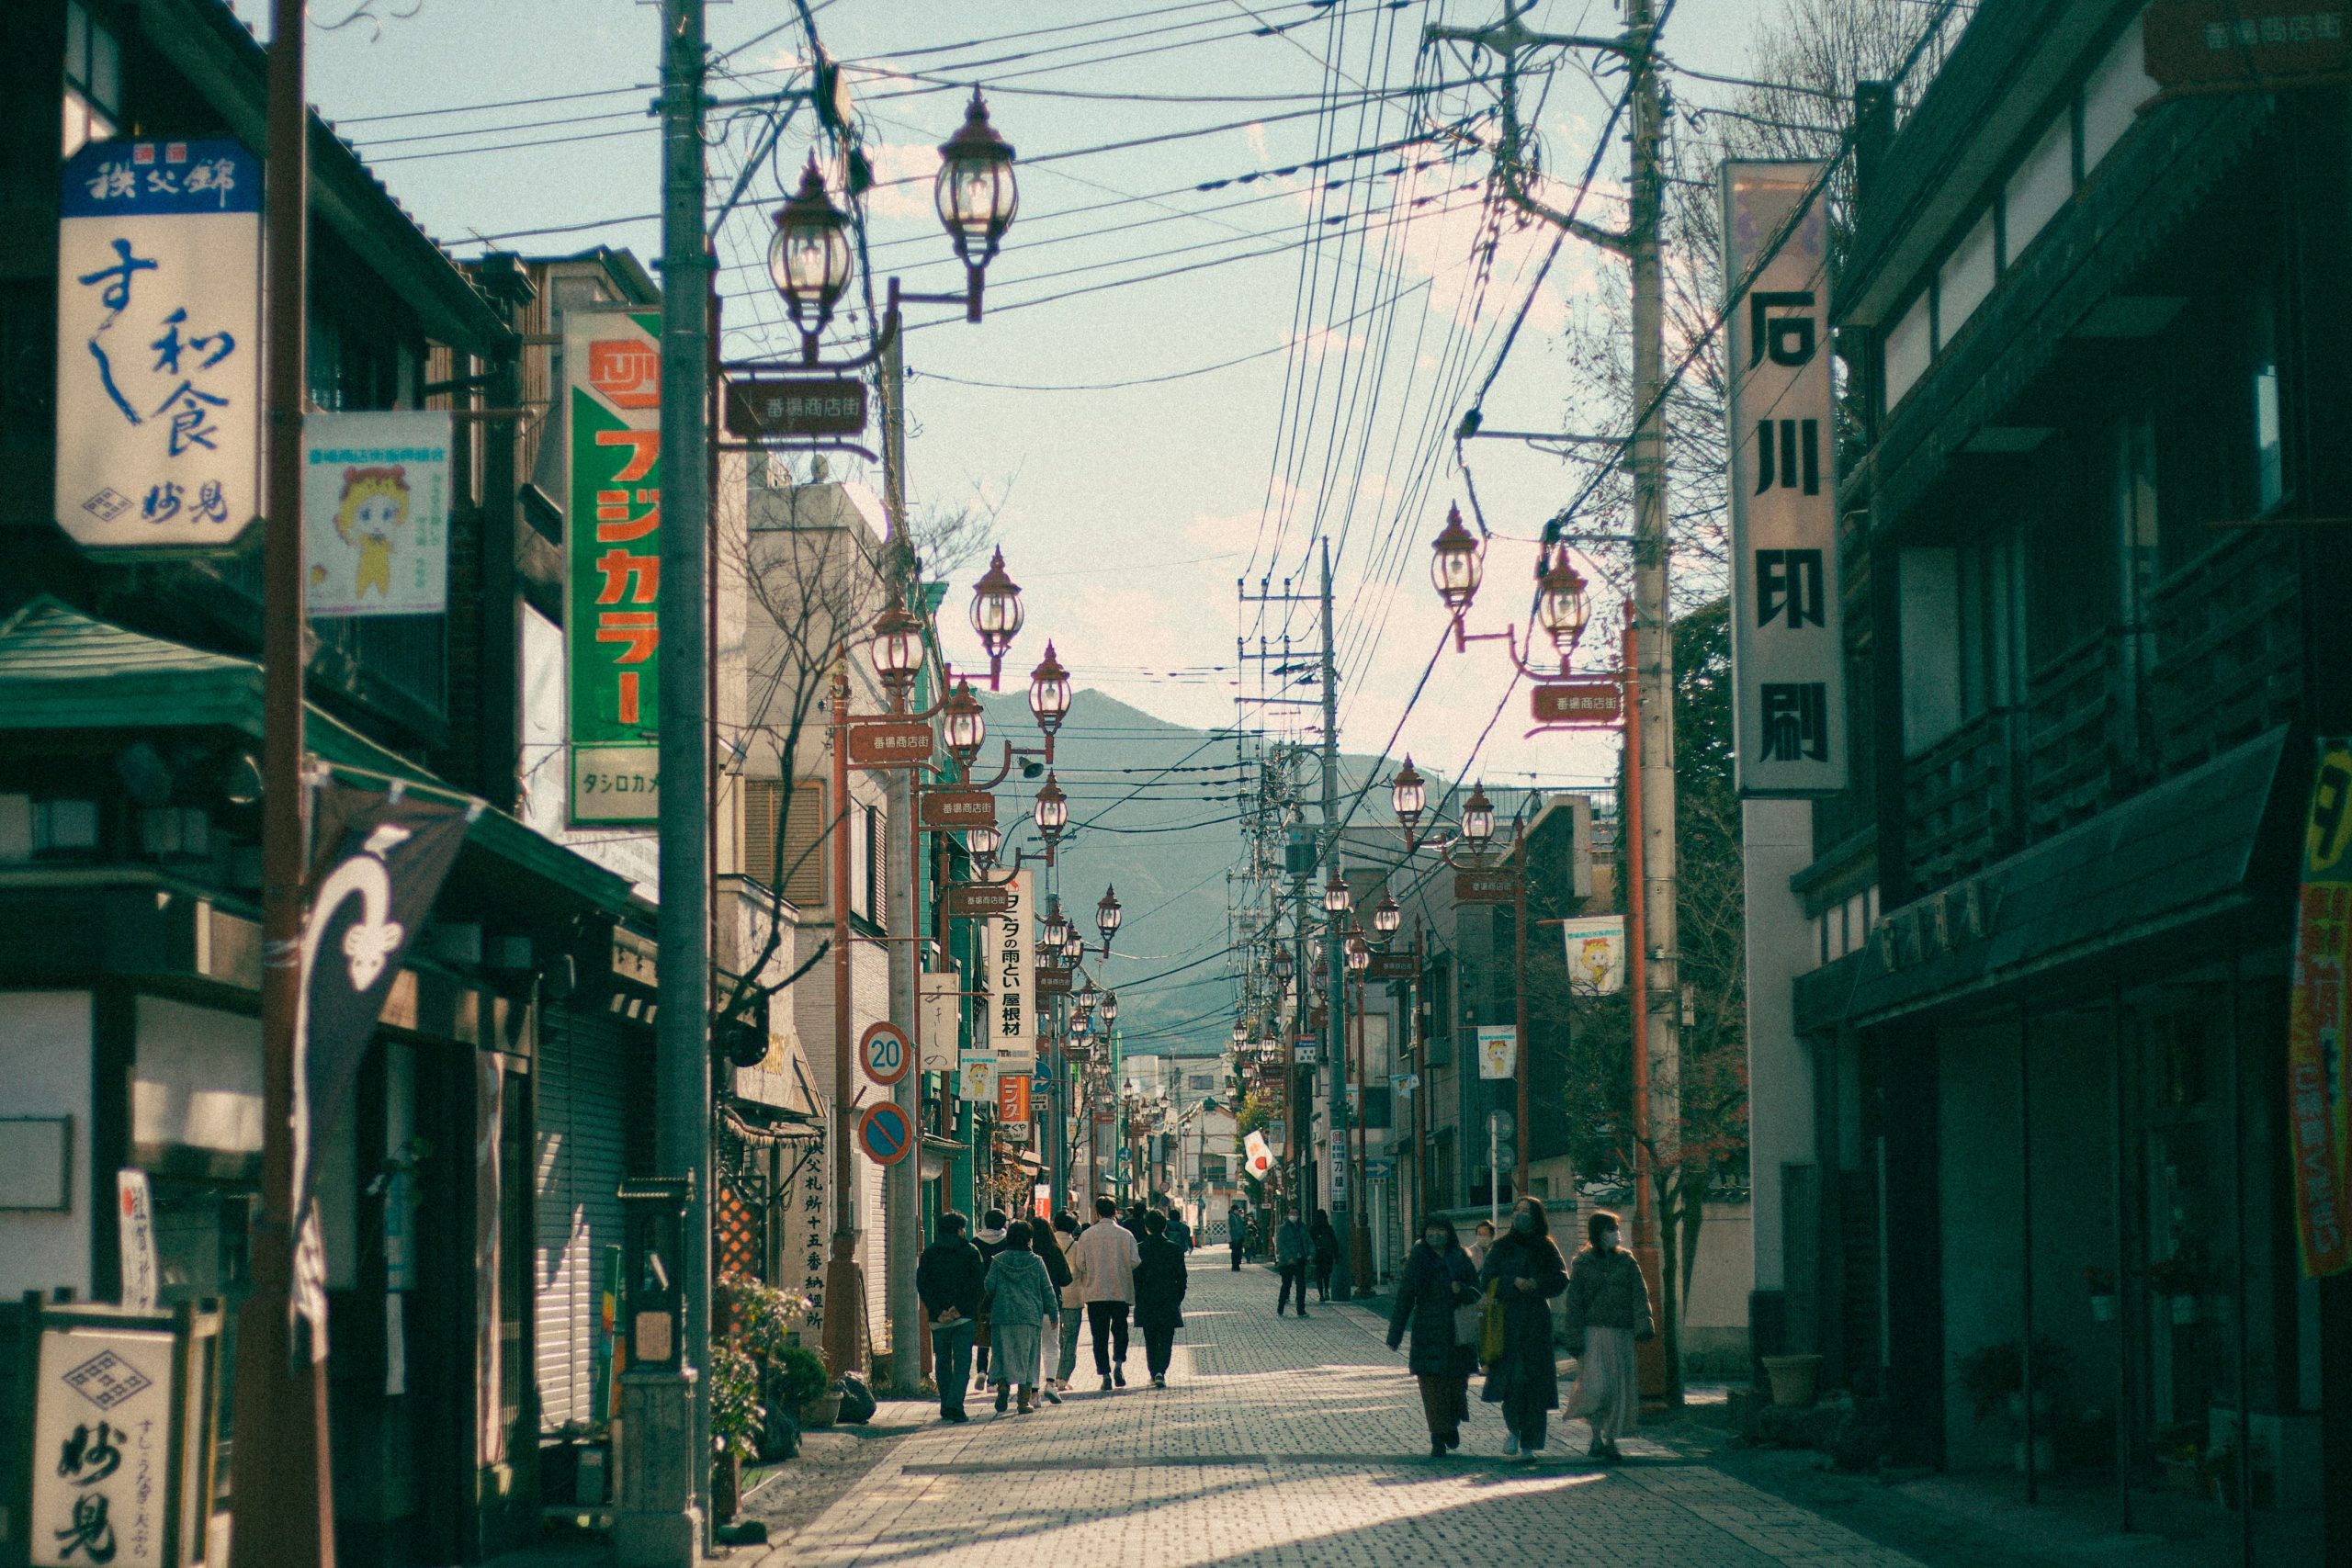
611 361
159 344
1012 951
2318 1017
1787 645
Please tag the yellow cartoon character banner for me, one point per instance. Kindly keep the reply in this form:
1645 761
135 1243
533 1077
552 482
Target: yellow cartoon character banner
375 513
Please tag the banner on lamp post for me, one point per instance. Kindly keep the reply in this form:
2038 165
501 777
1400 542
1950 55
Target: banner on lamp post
612 366
375 513
1498 1051
1012 951
158 388
1788 640
1596 953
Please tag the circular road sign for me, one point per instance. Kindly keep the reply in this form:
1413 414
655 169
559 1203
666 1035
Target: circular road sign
885 1134
884 1053
1502 1122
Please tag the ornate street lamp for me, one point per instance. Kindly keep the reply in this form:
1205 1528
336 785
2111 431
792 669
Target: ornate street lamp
810 259
996 614
1387 916
982 843
1281 962
1073 949
1107 915
1049 696
896 647
1408 796
1240 1034
966 726
1337 899
1089 998
1458 559
1051 813
1057 926
1478 818
977 195
1359 953
1109 1008
1561 607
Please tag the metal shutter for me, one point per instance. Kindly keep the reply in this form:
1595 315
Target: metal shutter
579 1160
805 824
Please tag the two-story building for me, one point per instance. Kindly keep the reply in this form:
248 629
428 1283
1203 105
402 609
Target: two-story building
2023 1081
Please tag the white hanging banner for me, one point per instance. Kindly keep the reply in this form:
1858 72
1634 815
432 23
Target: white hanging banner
976 1077
1012 952
942 1018
1498 1051
375 513
159 344
1788 640
1596 953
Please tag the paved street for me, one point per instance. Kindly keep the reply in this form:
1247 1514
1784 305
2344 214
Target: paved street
1282 1442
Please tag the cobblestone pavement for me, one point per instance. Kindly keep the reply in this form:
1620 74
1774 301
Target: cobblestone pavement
1297 1443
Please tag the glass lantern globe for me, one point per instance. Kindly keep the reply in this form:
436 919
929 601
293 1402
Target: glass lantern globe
809 260
1407 795
982 843
1049 692
1478 818
1387 915
966 725
996 613
1562 608
1052 810
1457 560
976 193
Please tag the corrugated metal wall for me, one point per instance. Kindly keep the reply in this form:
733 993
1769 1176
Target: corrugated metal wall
580 1157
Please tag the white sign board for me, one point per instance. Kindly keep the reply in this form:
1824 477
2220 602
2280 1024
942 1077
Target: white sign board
135 1229
1012 952
1596 953
1788 639
159 344
976 1078
943 1019
102 1438
1498 1051
375 513
1259 1156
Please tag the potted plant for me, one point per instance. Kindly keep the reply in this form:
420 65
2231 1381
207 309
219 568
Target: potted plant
1992 1376
736 1415
2101 1284
803 1385
2179 1277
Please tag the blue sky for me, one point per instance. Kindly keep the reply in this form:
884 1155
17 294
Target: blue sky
1126 511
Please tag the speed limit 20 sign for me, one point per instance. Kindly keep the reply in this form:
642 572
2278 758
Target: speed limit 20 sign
884 1053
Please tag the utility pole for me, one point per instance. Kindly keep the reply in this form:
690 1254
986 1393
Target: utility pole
283 1502
1334 1011
1659 999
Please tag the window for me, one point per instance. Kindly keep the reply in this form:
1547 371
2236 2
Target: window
1966 278
1992 625
2269 464
2112 94
1909 346
2040 186
93 79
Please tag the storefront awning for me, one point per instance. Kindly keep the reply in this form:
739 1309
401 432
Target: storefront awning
62 670
2193 848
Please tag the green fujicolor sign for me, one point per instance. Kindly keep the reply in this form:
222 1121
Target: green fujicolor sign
613 545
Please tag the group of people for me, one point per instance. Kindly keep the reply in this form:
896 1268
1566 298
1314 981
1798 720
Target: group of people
1008 1301
1448 1288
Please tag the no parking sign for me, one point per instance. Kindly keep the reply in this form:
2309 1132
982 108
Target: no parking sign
885 1134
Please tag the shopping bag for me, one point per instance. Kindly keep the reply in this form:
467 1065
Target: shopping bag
1490 1325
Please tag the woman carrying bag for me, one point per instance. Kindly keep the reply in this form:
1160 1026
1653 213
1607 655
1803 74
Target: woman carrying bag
1017 1294
1437 1294
1609 1313
1524 1273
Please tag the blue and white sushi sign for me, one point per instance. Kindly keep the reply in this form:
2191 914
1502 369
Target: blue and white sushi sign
159 344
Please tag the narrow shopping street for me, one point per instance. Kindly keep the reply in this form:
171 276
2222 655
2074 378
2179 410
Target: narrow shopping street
1297 1442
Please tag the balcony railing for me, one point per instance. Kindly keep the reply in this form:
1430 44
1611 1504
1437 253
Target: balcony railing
2229 647
2073 764
1958 794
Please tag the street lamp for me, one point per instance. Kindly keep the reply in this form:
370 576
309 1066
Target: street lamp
996 613
1109 1008
1240 1034
982 843
1387 915
1089 998
1049 696
966 726
1107 915
1073 949
975 194
810 258
896 647
1457 561
1359 955
1057 926
1561 607
1478 818
1281 963
1052 811
1408 796
1337 899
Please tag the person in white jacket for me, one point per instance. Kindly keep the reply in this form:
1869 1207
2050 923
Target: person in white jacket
1103 1259
1065 1233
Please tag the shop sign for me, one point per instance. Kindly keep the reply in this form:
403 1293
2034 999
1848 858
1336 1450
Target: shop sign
158 431
889 743
1579 702
1012 953
611 361
977 900
1788 638
945 810
2319 1018
768 406
2188 43
1484 886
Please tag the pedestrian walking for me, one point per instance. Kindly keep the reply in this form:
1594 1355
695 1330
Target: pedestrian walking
1481 1242
1059 1273
1179 1231
1327 1253
1292 1249
1073 1300
1160 1279
1526 1272
1609 1313
989 1241
1018 1295
1438 1283
1105 1259
951 1278
1237 1234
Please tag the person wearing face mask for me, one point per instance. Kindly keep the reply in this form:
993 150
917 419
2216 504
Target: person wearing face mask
1609 1313
1526 1271
1438 1282
1481 1242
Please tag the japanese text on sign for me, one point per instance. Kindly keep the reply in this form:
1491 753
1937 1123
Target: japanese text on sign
612 624
1013 954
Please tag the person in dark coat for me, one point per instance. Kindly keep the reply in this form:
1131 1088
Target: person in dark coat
1159 1295
990 1241
1047 1246
1608 1314
1326 1254
948 1278
1527 1271
1438 1282
1237 1234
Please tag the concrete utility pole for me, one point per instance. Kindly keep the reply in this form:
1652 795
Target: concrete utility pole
1659 999
1335 972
